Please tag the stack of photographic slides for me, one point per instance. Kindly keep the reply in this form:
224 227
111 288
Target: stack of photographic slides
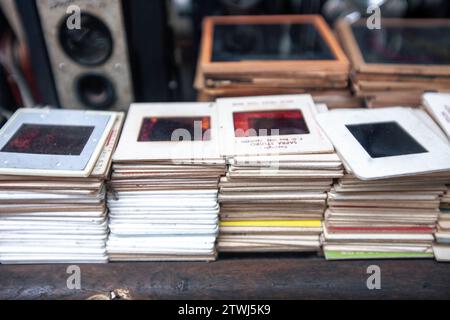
396 64
281 167
164 186
268 55
438 106
441 247
53 167
387 204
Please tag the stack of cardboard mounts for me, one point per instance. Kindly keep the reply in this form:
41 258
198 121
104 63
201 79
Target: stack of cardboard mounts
53 167
442 246
269 55
396 64
164 187
387 203
281 166
438 106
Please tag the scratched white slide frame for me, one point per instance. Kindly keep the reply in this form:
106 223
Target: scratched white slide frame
55 165
363 165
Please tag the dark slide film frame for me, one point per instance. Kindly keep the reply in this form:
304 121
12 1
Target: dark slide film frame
385 139
49 139
158 129
265 123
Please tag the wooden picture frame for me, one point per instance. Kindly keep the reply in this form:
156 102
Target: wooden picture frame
339 64
351 47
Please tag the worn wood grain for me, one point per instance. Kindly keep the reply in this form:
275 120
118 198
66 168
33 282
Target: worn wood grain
232 278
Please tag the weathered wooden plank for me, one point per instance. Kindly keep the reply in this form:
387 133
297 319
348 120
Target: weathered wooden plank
231 278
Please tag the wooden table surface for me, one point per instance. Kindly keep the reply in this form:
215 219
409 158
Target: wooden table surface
249 277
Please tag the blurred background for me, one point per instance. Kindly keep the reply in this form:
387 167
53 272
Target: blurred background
41 64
